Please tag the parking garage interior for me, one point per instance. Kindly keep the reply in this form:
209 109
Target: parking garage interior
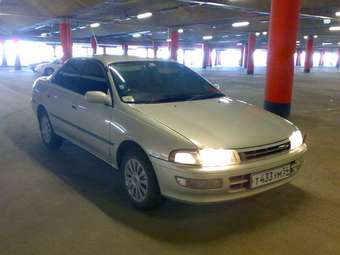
279 55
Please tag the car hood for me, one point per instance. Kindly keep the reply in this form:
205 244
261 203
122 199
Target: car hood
219 123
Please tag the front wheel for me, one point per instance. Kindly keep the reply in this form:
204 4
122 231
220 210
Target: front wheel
50 139
140 181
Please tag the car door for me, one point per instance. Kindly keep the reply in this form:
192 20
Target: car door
62 95
94 119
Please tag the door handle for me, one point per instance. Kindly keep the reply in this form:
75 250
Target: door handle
74 107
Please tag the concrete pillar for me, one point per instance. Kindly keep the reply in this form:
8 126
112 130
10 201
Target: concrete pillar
245 56
66 39
17 64
322 55
206 56
338 61
282 45
298 57
104 50
309 54
155 49
242 56
125 47
94 44
218 58
4 58
251 50
184 56
174 36
54 51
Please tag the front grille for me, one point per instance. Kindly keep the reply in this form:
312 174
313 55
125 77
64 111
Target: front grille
263 151
239 183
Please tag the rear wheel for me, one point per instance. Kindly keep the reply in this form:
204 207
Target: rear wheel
140 181
50 139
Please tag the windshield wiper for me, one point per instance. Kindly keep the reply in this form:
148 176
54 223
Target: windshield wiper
198 97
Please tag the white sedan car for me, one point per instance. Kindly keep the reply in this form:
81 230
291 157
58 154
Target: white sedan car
48 69
167 129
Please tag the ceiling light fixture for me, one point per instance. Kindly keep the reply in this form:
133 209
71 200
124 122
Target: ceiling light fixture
241 24
327 43
337 14
315 36
168 40
82 27
239 44
334 28
207 37
144 15
264 33
305 37
94 25
136 35
44 34
257 33
180 30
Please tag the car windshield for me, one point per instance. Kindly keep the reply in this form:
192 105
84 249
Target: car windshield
147 82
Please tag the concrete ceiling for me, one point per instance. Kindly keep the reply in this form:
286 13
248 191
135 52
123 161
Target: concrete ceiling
31 18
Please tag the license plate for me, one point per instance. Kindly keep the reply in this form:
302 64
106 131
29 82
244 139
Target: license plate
270 176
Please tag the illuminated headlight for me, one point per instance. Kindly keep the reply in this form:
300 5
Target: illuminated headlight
205 157
296 140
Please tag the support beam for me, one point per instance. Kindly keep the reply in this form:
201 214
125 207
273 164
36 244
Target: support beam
155 49
309 54
125 48
338 61
251 50
206 56
218 58
245 56
242 55
174 36
66 39
284 20
4 57
17 64
322 55
94 45
298 58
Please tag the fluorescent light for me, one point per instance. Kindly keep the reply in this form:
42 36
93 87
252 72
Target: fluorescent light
338 43
257 33
207 37
74 29
94 25
264 33
144 15
297 42
168 40
315 36
305 37
82 27
327 43
238 35
337 14
44 34
180 30
334 28
239 44
136 35
241 24
327 21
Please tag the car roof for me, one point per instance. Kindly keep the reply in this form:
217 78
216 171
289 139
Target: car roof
109 59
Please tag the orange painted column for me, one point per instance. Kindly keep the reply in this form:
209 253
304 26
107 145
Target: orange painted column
284 20
66 39
309 54
94 44
251 50
174 36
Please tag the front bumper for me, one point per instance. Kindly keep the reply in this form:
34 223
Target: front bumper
167 172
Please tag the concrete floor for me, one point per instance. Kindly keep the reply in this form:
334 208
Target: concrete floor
71 203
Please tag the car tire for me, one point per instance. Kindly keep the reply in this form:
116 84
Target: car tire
140 181
49 71
49 138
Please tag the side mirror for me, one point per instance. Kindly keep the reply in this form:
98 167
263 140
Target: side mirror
97 97
217 86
